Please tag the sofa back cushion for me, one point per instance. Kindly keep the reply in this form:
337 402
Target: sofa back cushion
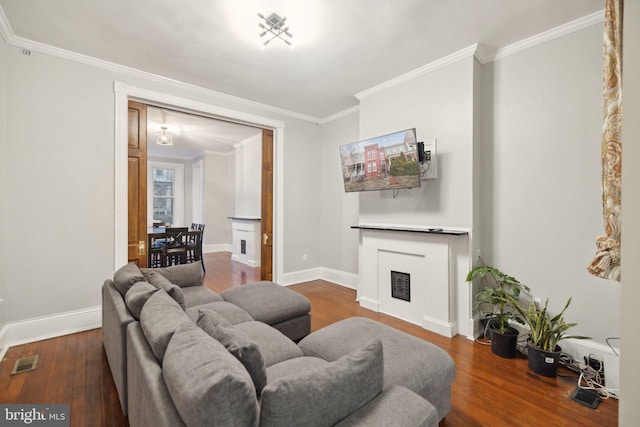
161 282
326 394
126 276
237 343
183 275
160 317
137 296
207 384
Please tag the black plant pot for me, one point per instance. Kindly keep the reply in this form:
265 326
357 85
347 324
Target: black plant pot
543 362
487 323
504 345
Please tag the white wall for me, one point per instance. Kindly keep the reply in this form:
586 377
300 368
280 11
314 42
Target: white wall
541 176
630 374
302 155
219 188
248 177
339 210
60 149
439 105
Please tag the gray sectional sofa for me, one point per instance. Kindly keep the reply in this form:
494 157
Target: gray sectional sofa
183 356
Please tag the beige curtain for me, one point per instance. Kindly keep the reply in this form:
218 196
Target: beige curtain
606 263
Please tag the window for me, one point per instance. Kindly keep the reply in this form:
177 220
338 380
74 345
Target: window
165 201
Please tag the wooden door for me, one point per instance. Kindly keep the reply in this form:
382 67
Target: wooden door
137 241
266 248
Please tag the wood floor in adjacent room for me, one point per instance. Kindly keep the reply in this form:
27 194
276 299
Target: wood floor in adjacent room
488 390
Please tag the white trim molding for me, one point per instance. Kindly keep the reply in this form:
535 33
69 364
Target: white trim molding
45 327
123 93
425 69
341 278
554 33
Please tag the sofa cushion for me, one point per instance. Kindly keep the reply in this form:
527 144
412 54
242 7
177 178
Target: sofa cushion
395 406
297 364
268 302
237 343
183 275
159 318
418 365
161 282
137 296
231 312
274 345
327 394
199 295
126 277
207 384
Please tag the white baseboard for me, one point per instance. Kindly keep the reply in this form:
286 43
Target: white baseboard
342 278
369 304
218 247
301 276
446 329
44 327
250 262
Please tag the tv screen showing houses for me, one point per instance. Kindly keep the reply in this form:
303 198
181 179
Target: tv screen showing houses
385 162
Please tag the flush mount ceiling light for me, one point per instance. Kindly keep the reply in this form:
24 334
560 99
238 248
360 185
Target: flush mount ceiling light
164 138
274 28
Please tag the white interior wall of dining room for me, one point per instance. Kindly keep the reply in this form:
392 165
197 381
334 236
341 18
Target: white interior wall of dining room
248 177
219 187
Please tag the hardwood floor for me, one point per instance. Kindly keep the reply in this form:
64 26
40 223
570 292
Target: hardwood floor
488 390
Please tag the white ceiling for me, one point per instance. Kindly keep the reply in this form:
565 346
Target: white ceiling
192 134
341 47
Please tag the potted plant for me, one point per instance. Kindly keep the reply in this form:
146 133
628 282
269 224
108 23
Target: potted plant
496 296
545 333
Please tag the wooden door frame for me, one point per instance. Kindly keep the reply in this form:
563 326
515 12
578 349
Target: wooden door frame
123 93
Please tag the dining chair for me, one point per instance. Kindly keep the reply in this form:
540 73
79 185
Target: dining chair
175 248
156 252
194 244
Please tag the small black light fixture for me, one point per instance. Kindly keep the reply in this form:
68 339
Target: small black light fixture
274 28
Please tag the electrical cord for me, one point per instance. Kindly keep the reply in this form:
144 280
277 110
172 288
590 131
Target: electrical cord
588 378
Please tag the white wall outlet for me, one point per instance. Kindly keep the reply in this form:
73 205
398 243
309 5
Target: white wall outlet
304 257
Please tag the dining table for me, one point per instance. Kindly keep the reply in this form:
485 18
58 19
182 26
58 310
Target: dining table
160 234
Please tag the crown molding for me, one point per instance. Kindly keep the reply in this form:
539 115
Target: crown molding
5 29
11 39
339 115
552 34
481 53
425 69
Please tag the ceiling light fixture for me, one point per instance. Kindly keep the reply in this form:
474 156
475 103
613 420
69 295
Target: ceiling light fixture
164 138
274 27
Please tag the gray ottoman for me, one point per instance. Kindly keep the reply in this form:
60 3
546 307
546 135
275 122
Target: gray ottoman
275 305
418 365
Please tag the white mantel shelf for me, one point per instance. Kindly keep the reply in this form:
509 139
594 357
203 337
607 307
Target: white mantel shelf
430 230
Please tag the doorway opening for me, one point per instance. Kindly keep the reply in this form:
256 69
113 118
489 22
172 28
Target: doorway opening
124 93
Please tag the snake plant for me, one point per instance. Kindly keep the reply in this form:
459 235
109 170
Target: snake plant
545 331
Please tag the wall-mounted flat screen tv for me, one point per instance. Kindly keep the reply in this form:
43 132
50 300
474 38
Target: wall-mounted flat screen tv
386 162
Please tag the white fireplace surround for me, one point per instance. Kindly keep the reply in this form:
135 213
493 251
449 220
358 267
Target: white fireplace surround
437 262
